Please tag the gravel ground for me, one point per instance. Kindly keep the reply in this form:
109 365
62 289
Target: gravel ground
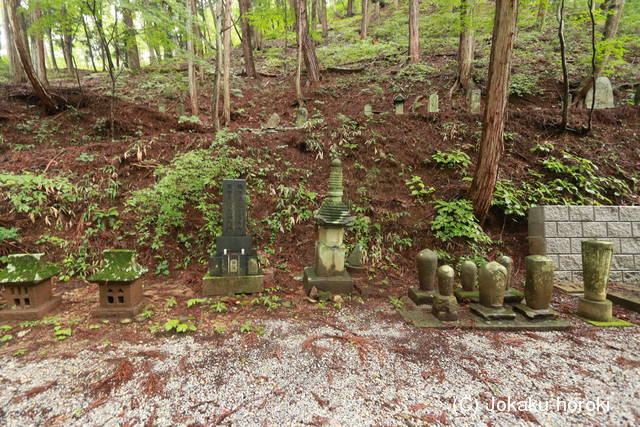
356 368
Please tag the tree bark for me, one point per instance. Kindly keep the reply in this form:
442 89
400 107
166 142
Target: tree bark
614 14
193 82
133 55
17 73
466 47
323 19
491 145
247 47
87 35
414 32
364 22
216 12
49 103
226 62
40 52
542 13
565 73
350 8
308 47
52 51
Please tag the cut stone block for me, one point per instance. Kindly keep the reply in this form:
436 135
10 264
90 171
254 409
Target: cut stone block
534 314
420 297
230 285
604 95
338 284
600 311
488 313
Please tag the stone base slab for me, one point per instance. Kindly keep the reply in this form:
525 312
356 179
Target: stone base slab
119 312
488 313
31 313
533 314
230 285
511 296
627 301
464 296
600 311
342 284
420 297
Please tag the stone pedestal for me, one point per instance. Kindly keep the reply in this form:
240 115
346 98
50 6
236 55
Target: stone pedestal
27 287
492 282
538 288
427 264
596 264
234 268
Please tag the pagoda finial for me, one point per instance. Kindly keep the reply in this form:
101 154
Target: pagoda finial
335 181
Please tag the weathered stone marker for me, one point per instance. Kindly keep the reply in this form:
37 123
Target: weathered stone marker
538 288
445 304
492 280
511 296
604 94
234 268
596 264
27 287
273 122
398 103
469 276
355 258
368 111
475 101
433 106
119 287
427 263
302 116
328 272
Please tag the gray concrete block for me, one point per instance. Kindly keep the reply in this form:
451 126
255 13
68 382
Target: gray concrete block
631 277
594 229
550 229
619 229
623 262
630 245
557 245
569 262
636 229
606 213
555 260
556 213
581 213
576 276
536 215
629 213
562 276
616 276
569 229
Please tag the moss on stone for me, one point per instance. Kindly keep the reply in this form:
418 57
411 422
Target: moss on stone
119 265
27 269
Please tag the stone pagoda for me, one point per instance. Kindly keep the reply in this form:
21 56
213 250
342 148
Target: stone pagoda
328 272
234 267
27 287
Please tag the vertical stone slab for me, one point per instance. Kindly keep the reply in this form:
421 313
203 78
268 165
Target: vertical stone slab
234 207
427 263
604 94
433 106
538 285
368 111
469 276
492 280
475 101
507 262
596 264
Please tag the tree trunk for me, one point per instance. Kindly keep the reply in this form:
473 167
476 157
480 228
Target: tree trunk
350 8
314 14
308 47
491 145
18 40
67 51
247 48
193 82
133 55
414 32
466 47
88 42
52 51
614 13
216 12
364 22
42 59
226 62
542 13
17 73
565 73
323 18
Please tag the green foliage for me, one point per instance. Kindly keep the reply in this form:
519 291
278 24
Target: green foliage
523 84
75 264
191 181
454 159
60 333
417 187
295 205
543 148
9 234
84 157
106 219
194 301
396 302
455 219
219 306
171 302
416 72
180 326
360 50
6 338
189 119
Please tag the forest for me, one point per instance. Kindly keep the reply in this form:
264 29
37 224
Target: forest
444 121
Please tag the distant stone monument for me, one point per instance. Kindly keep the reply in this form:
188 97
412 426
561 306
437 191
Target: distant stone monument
427 263
355 258
328 272
445 304
234 268
538 288
433 106
27 287
118 284
273 122
475 101
596 264
604 94
492 282
302 117
368 111
398 103
511 296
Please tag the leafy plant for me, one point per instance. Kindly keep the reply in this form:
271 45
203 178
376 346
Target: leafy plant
396 302
9 234
194 301
219 306
84 157
454 159
171 302
456 219
60 333
179 325
417 187
6 338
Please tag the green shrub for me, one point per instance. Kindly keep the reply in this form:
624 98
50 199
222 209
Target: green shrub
456 219
454 159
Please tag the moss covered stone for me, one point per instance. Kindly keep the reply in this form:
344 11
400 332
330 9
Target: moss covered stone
119 265
26 269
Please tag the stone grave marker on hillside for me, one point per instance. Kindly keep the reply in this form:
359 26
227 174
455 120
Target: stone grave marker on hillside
26 281
493 282
604 94
398 103
427 264
234 267
475 101
368 111
433 106
445 304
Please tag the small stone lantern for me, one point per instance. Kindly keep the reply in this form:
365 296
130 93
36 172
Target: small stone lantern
120 289
27 287
329 273
398 103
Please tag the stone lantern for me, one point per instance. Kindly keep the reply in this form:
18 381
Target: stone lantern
27 287
328 272
398 103
120 289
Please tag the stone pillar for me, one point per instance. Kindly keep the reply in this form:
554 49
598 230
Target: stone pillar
596 264
475 101
507 262
398 103
492 280
469 276
511 296
368 111
427 264
433 106
445 305
538 287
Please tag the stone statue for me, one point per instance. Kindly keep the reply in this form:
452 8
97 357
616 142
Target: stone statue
427 264
596 264
538 288
492 281
445 304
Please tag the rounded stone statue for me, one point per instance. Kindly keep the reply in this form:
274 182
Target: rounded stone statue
469 276
427 262
596 263
492 280
507 262
445 280
539 281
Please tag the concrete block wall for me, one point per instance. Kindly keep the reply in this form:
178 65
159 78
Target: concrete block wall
557 232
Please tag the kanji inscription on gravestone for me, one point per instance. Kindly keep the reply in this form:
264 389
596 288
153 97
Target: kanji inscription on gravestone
234 207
